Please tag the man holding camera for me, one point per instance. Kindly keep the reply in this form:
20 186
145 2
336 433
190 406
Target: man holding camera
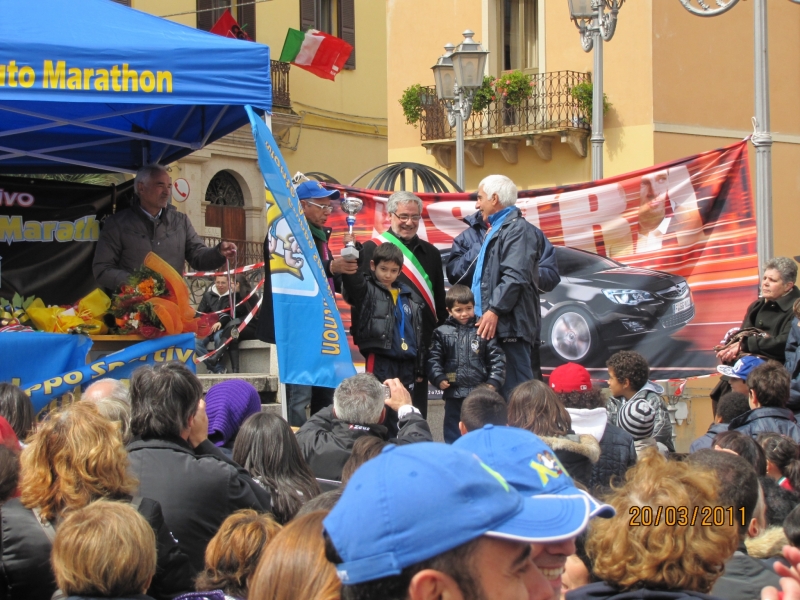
359 408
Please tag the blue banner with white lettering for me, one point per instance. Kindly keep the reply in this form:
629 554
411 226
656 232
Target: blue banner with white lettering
119 365
311 340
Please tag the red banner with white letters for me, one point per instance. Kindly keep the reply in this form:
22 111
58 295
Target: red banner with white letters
661 261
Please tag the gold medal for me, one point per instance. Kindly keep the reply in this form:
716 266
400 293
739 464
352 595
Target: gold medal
403 345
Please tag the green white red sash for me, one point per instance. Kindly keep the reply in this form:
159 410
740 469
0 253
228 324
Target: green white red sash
411 268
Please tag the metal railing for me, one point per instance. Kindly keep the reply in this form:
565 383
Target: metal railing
280 84
551 107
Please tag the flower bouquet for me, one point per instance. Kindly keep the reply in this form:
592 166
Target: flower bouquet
85 316
154 302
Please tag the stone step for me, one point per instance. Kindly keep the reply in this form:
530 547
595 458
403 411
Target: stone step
267 385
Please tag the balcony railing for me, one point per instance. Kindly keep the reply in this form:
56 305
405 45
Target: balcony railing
551 108
280 84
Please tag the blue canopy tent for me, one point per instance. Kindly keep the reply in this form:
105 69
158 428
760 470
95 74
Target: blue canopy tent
95 86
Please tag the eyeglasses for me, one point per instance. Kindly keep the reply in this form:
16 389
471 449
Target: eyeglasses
406 218
323 207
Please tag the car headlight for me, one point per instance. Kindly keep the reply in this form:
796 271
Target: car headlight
630 297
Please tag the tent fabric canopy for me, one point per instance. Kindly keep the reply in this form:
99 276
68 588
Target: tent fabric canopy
96 86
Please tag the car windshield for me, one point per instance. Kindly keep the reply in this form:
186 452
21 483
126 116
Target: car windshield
576 263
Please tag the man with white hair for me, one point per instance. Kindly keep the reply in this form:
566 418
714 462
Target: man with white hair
422 271
151 224
359 408
506 276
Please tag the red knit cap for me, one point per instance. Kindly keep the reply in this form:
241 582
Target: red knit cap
570 377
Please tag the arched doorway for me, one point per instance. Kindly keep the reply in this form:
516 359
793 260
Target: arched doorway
226 209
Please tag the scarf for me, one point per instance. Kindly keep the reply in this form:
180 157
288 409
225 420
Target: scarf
319 233
495 221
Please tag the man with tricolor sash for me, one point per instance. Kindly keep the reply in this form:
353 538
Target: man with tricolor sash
506 277
422 271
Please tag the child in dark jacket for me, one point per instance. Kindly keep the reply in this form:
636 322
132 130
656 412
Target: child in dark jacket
386 321
460 360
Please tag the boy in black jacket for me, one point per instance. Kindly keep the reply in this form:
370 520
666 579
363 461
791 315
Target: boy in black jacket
386 321
460 360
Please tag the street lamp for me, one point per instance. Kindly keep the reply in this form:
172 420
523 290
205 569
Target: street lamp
762 139
595 26
458 73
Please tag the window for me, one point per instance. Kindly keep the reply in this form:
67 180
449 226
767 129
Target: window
244 11
519 25
336 17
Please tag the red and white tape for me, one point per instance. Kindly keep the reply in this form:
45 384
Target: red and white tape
241 327
236 271
245 299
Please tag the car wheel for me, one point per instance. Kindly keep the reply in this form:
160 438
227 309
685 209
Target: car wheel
572 336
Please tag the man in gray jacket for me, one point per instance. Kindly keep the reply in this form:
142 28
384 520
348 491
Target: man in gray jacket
151 224
506 278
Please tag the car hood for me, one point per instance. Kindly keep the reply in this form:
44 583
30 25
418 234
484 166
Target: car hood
631 278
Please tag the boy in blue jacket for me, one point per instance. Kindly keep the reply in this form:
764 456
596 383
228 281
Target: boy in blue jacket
459 360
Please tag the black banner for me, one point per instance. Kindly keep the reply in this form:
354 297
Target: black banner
48 232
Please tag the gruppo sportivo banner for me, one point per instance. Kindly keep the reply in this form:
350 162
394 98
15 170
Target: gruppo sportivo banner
309 334
662 261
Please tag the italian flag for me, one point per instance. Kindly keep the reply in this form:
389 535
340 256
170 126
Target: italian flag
317 52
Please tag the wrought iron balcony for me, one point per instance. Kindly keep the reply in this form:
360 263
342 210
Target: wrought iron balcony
280 84
551 111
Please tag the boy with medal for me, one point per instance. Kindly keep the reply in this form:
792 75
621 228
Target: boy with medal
386 318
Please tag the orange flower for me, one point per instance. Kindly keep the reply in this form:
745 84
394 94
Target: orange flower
146 287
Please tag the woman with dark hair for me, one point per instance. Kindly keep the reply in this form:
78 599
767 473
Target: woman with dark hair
268 449
75 458
744 446
16 407
783 459
535 407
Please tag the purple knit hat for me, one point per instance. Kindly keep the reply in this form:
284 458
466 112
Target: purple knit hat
228 404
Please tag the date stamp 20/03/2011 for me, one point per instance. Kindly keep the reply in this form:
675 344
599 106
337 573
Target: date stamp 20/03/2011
705 516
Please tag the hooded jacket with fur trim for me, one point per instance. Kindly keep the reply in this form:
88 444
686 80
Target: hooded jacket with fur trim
577 454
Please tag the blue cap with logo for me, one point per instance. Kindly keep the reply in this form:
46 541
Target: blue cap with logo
412 503
533 468
308 190
742 367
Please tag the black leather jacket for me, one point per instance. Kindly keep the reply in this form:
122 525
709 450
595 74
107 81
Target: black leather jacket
459 355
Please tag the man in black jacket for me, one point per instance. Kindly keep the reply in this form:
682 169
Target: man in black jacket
327 438
769 393
197 485
421 257
216 298
316 202
505 280
464 255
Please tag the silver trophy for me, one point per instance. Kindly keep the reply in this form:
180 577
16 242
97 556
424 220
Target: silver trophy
352 206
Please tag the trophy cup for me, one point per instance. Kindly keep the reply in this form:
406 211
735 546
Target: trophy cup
352 206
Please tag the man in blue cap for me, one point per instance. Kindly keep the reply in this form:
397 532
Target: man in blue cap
429 520
316 202
531 466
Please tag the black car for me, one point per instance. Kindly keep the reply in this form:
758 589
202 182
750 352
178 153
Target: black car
601 303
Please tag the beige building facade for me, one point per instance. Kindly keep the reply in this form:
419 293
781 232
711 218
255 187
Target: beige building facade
334 128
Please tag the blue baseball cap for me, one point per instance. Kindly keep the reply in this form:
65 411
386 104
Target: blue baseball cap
742 367
533 468
414 502
309 190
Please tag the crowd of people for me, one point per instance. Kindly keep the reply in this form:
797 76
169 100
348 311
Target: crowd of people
562 489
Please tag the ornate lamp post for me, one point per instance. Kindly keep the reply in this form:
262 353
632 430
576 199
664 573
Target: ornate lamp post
762 139
596 26
458 73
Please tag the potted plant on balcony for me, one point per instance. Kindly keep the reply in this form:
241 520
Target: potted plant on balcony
584 96
411 101
513 89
